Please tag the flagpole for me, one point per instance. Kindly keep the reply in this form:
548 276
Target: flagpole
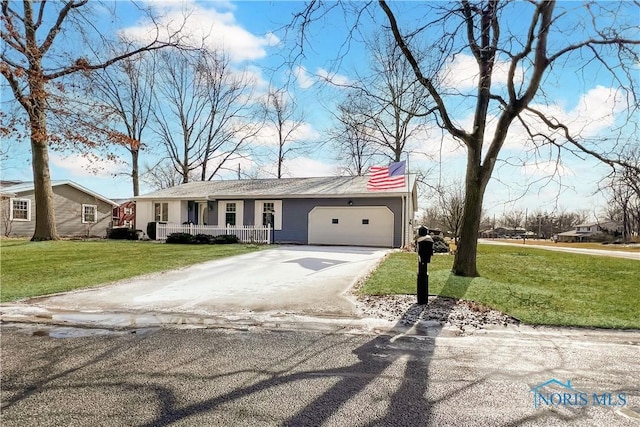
407 230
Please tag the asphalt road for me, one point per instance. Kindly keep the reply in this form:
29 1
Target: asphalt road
261 377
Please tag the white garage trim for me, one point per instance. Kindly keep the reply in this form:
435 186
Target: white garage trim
351 225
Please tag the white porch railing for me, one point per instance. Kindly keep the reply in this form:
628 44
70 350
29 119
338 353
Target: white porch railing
245 233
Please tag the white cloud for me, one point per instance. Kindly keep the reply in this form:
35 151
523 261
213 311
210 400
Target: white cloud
268 135
229 170
80 166
435 143
304 79
546 168
210 26
301 167
333 78
593 114
462 73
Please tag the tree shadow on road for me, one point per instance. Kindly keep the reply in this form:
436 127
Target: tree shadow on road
407 404
388 382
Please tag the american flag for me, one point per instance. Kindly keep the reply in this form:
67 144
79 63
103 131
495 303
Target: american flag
386 177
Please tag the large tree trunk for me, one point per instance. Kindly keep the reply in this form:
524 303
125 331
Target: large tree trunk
476 181
43 192
135 175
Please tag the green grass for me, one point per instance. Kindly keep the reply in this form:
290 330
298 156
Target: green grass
534 285
40 268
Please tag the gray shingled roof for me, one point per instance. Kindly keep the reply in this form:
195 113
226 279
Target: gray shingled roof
28 187
335 186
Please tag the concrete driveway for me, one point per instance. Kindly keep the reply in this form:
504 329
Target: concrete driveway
285 280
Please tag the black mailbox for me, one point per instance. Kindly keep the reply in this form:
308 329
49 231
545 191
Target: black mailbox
424 247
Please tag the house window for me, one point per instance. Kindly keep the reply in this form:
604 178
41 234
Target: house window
268 211
230 214
365 221
161 211
128 224
89 213
20 210
128 211
334 220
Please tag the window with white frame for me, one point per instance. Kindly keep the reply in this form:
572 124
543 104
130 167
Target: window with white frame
230 214
89 213
161 212
20 210
269 212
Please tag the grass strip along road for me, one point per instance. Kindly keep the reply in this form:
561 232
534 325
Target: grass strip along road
536 286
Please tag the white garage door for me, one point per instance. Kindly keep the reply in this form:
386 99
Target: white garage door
351 225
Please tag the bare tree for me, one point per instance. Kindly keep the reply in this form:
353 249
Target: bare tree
430 218
202 115
5 215
451 201
541 223
397 101
531 54
623 187
389 104
163 175
514 220
282 114
565 220
232 121
354 146
120 101
34 56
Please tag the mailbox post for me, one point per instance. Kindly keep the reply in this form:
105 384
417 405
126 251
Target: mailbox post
424 247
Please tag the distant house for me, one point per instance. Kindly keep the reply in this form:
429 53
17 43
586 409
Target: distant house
78 211
586 232
124 215
503 233
324 211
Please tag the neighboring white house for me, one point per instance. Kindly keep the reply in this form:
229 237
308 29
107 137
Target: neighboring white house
583 232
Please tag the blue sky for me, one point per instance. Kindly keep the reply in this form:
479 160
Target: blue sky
251 32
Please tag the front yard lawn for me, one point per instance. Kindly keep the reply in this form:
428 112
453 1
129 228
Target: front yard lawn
534 285
30 269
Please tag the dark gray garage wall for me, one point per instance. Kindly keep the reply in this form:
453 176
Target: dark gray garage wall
295 216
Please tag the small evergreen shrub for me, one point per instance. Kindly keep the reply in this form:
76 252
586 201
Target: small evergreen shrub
183 238
439 245
122 234
203 239
151 230
225 239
